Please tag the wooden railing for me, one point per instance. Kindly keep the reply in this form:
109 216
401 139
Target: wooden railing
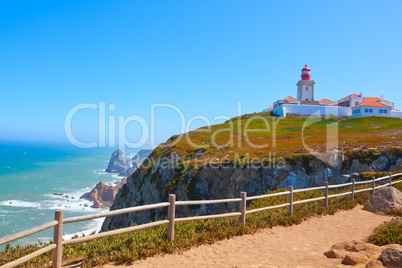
57 224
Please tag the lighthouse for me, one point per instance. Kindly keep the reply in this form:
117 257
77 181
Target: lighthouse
305 87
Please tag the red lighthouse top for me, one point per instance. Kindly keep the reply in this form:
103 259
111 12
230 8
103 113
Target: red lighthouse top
306 73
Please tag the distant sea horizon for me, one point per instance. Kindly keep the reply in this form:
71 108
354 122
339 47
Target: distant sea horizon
31 172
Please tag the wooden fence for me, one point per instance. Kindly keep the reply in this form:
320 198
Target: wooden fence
57 224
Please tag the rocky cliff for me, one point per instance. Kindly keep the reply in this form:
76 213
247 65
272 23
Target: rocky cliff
103 195
255 153
153 185
140 157
119 164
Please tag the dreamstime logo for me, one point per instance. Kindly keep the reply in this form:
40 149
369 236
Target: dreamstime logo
243 131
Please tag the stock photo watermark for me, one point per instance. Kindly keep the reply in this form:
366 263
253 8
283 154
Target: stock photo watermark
237 132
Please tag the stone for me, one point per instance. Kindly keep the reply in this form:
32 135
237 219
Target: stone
391 257
367 248
96 204
374 264
335 253
380 163
103 194
354 258
118 163
140 157
383 200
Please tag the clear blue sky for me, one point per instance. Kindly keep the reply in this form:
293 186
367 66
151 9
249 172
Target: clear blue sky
201 56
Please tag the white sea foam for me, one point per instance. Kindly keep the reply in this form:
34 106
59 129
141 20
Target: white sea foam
93 225
19 203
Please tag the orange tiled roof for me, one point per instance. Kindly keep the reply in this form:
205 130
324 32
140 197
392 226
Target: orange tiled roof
372 104
270 107
289 98
373 99
325 100
351 95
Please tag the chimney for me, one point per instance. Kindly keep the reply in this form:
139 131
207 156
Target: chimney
361 94
381 98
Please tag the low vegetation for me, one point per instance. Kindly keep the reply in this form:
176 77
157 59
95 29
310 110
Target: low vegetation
388 233
145 243
261 135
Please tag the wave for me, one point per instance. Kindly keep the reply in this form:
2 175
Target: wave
19 203
93 225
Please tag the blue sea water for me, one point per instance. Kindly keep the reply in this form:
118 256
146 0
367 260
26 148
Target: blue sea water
31 172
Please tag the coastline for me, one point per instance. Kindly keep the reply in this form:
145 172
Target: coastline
32 175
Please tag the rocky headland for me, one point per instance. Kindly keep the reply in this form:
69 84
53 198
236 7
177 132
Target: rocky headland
119 164
177 168
103 195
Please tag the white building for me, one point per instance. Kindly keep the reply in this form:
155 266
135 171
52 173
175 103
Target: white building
353 105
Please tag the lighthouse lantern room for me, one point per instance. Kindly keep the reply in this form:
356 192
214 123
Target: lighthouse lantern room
305 87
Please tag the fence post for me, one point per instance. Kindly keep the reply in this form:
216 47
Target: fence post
389 179
171 217
58 239
326 194
373 185
290 201
243 206
352 195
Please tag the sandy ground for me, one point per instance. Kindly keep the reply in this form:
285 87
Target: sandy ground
300 245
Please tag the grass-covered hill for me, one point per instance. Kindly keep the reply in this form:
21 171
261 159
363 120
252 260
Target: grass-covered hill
260 135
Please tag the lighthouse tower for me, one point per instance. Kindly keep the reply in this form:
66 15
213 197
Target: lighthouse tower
305 87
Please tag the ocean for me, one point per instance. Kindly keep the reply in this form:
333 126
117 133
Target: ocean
30 174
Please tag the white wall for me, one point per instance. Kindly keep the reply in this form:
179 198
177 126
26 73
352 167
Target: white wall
396 114
284 109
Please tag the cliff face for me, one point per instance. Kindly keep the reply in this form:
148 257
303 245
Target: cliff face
119 164
102 194
153 185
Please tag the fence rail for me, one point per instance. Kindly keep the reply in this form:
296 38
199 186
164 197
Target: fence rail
57 224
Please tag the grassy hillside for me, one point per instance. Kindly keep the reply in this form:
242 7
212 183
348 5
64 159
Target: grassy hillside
261 135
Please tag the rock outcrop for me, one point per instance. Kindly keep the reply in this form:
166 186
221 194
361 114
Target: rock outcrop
359 253
391 257
384 200
140 157
119 164
102 195
164 174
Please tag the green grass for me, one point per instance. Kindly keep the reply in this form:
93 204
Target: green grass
284 136
144 243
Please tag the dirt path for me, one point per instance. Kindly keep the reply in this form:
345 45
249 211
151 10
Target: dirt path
300 245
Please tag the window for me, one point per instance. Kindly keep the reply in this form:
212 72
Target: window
385 111
306 88
370 110
356 103
366 110
381 111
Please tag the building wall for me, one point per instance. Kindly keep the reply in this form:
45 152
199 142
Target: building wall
396 114
365 111
284 109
